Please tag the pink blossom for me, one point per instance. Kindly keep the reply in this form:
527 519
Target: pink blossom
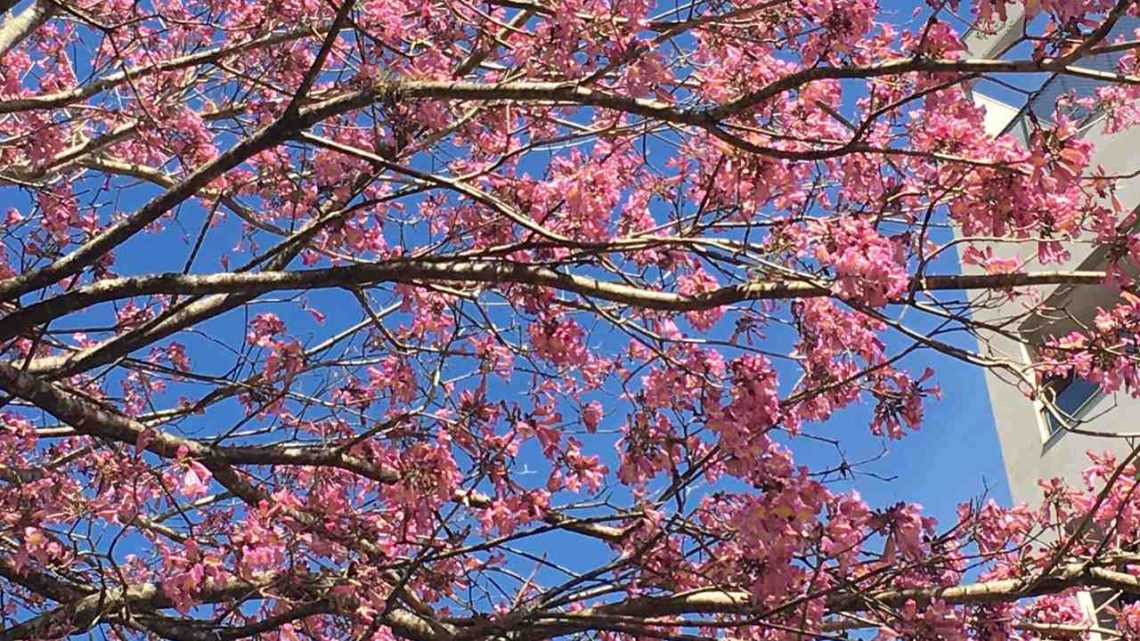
866 264
195 480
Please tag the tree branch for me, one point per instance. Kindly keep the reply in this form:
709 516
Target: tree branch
19 26
496 272
88 418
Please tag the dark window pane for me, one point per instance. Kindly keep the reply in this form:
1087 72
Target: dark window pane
1071 397
1068 395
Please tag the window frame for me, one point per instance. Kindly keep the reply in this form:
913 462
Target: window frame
1048 425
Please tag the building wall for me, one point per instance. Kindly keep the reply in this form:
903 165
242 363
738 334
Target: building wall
1028 451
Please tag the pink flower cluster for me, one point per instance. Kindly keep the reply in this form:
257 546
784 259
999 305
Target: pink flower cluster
868 267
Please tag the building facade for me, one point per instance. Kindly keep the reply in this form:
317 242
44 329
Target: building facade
1048 435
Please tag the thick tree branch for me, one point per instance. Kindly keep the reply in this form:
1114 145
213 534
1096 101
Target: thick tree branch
116 602
15 28
736 602
495 272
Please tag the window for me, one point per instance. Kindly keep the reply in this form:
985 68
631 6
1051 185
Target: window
1066 396
1064 399
1104 602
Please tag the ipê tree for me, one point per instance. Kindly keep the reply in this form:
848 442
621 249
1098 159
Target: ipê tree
320 316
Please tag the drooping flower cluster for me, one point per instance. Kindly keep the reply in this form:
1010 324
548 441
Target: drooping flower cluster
868 267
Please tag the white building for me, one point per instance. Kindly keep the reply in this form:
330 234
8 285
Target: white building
1036 434
1034 441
